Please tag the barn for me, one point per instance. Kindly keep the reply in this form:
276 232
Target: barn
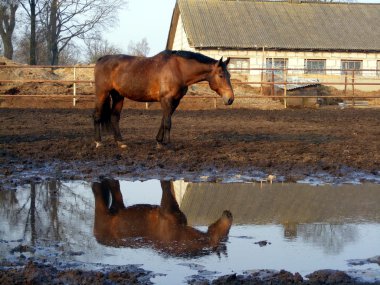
316 39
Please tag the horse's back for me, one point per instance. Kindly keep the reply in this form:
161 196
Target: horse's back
113 58
106 64
134 77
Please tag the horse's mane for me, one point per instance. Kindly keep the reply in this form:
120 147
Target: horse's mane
191 55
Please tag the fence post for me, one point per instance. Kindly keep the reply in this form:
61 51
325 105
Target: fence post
74 88
262 70
345 84
285 79
353 88
272 87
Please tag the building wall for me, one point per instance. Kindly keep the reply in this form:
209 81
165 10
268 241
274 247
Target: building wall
296 59
180 39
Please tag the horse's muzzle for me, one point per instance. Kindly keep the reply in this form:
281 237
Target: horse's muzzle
228 100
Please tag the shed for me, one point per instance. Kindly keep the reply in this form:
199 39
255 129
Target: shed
302 34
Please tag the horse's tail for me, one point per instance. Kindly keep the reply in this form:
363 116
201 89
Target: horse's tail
102 114
105 117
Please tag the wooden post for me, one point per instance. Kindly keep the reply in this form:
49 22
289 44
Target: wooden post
262 71
353 88
74 88
272 87
345 84
285 79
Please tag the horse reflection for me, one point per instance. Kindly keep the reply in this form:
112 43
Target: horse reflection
163 227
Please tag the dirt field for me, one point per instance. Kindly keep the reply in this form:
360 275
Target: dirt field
219 144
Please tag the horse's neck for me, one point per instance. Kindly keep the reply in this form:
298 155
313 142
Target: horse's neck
195 72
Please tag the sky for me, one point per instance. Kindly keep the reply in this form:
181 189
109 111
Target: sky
148 19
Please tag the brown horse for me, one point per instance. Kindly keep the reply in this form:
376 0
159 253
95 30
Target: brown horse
163 227
162 78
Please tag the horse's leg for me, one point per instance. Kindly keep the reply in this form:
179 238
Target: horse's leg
117 106
102 97
117 198
168 107
102 212
169 204
101 195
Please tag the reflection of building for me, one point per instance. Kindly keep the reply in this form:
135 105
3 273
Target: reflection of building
287 204
321 215
290 230
180 188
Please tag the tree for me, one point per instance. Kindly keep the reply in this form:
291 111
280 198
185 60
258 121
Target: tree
70 55
23 45
8 10
33 12
75 19
140 48
98 47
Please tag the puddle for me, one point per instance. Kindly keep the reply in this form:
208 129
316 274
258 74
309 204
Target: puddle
296 227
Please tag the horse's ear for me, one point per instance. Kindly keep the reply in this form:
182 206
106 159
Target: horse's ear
220 61
227 61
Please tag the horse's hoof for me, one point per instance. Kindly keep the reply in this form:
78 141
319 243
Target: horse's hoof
121 145
98 144
163 145
160 146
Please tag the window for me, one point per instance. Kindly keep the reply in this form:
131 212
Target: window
350 65
239 63
279 63
315 66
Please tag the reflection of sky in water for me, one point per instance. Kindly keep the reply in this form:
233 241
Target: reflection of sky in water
64 212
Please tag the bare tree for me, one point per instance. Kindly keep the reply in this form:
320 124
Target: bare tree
33 8
75 19
98 47
23 46
8 10
140 48
70 55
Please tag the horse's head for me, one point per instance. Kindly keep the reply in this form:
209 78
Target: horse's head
219 81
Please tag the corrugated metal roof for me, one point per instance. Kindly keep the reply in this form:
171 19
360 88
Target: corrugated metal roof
281 25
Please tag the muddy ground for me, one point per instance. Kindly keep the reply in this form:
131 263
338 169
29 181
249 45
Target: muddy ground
217 144
38 273
213 144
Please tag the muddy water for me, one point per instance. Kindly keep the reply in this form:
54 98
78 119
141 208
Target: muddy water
296 227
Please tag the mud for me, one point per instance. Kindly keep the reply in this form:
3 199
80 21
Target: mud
245 144
223 144
36 272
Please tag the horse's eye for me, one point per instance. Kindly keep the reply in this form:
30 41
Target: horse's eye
221 75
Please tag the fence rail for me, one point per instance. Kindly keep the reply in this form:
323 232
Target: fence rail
273 77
